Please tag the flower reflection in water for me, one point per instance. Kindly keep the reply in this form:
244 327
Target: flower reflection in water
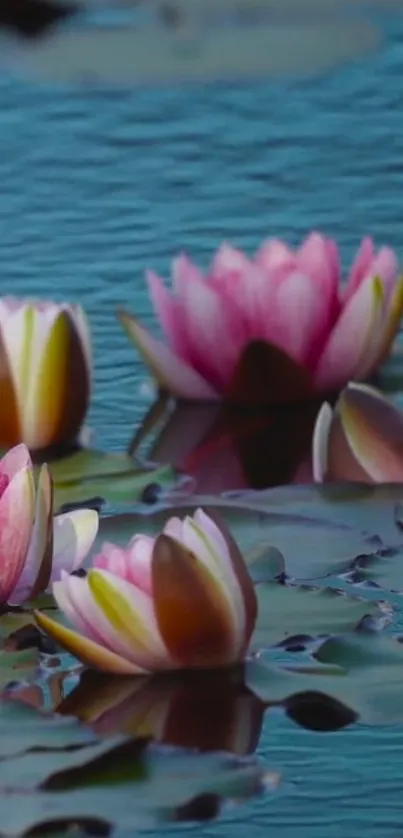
224 448
210 712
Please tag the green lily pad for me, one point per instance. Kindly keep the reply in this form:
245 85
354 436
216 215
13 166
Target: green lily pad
286 611
384 570
363 672
375 509
23 728
313 547
112 488
20 617
17 665
120 783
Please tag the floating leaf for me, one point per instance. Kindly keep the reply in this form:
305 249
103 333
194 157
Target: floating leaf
385 569
371 508
23 728
312 547
286 611
17 665
119 783
363 672
125 488
87 464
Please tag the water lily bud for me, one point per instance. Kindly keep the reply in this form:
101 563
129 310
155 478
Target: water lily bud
183 600
45 372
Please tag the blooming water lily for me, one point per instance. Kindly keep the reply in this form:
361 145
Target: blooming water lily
45 372
182 600
360 440
34 546
313 333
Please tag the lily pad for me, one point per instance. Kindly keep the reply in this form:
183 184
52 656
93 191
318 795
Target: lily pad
286 611
17 665
115 489
23 728
363 672
375 509
313 547
88 463
384 569
120 783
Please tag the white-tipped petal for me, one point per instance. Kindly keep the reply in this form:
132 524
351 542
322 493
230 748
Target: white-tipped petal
320 442
74 534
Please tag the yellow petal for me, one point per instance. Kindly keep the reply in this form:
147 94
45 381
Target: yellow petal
130 613
10 428
393 319
89 653
60 389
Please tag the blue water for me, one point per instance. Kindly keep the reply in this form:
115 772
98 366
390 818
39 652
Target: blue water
97 186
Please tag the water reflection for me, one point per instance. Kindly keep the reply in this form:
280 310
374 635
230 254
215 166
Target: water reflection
224 448
211 712
214 711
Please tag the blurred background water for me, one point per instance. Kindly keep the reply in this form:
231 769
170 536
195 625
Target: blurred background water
98 185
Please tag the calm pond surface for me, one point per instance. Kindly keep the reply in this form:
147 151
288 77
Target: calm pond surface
97 186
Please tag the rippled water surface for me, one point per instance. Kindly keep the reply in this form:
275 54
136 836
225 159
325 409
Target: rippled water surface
97 186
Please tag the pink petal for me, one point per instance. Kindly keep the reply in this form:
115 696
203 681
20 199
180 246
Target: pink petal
170 373
301 314
229 260
318 258
62 593
170 315
112 558
183 272
386 266
15 459
359 268
213 332
16 520
37 569
140 553
351 337
274 254
393 316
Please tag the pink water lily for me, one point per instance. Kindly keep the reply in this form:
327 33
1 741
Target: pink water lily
182 600
290 300
45 372
35 547
360 440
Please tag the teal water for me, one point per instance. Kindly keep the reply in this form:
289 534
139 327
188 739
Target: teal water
97 186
